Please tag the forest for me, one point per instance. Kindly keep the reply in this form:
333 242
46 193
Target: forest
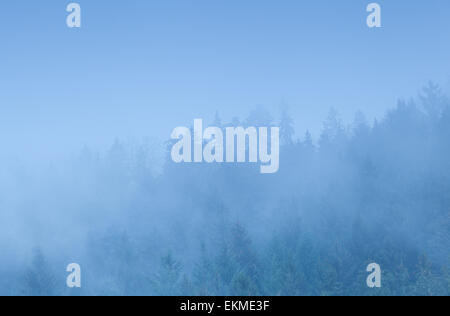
140 224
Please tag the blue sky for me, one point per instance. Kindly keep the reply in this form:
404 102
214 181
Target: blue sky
140 68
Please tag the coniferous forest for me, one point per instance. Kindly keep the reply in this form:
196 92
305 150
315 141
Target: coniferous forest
139 224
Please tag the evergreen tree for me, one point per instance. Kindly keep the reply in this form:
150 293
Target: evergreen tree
167 280
40 279
286 127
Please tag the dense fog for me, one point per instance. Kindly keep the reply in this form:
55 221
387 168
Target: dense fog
139 224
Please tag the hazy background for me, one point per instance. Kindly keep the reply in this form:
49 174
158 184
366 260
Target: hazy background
85 177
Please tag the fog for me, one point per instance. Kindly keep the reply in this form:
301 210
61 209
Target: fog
86 174
137 223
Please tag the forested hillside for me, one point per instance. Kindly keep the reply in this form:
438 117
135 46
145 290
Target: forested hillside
358 193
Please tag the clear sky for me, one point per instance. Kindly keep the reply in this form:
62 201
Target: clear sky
142 67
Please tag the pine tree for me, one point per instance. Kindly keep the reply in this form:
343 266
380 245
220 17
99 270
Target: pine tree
166 281
39 277
247 273
286 128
